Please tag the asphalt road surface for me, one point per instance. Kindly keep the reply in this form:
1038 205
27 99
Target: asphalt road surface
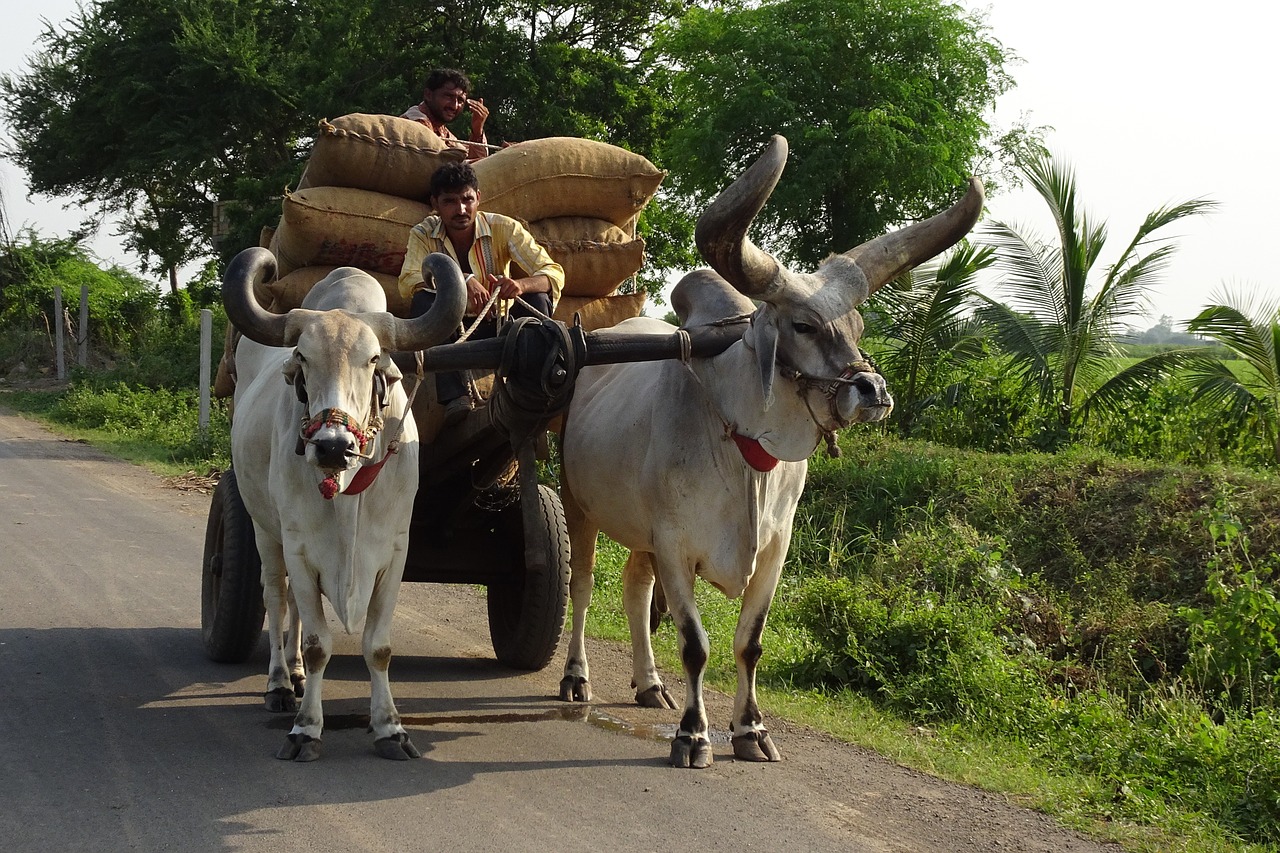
118 733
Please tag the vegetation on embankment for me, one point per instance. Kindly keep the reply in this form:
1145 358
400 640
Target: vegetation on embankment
1093 636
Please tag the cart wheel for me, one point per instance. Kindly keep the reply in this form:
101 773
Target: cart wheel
231 608
526 615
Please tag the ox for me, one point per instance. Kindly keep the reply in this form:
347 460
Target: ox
297 447
697 468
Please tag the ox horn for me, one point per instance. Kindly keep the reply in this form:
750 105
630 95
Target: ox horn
721 233
444 315
889 256
250 267
256 264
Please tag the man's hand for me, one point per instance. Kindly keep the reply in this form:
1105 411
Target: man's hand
479 112
477 294
507 287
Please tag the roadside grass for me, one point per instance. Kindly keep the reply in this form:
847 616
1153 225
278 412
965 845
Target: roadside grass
1092 637
156 428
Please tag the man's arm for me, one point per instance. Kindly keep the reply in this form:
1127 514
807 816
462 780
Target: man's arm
544 274
479 114
410 279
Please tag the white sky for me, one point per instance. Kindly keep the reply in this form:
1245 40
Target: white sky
1152 102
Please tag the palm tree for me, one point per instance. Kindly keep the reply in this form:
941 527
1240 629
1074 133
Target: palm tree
1249 326
925 322
1061 334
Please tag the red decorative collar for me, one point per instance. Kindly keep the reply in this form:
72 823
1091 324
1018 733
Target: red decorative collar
757 457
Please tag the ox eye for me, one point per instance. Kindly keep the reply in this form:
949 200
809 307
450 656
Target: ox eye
803 328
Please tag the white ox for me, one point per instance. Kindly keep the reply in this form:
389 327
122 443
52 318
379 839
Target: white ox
309 421
698 468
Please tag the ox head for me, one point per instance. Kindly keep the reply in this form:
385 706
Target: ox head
341 367
807 324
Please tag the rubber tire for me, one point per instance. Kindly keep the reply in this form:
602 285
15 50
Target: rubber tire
231 606
526 616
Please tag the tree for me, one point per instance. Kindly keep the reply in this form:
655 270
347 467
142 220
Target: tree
883 103
155 109
1249 326
1061 334
924 318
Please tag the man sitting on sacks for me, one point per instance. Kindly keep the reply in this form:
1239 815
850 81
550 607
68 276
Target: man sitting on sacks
443 98
484 245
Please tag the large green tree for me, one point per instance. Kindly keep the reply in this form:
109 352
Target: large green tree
154 109
884 103
1063 324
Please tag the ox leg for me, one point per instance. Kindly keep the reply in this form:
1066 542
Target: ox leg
637 598
575 686
303 743
692 744
280 695
751 741
390 738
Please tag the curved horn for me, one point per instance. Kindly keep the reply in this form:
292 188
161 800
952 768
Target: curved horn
721 233
445 313
247 269
889 256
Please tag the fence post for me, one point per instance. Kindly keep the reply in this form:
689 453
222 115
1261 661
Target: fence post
206 349
60 357
83 355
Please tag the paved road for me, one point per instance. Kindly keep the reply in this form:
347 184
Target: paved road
117 733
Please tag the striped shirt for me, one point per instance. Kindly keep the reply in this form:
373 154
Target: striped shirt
500 242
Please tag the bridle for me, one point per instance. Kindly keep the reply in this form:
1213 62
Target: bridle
364 432
828 387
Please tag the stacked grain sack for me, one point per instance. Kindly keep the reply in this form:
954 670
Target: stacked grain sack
365 186
580 199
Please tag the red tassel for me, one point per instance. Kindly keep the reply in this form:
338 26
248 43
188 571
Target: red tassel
329 487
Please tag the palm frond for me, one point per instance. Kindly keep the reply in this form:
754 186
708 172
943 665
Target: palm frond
1031 271
1216 385
1136 379
1253 340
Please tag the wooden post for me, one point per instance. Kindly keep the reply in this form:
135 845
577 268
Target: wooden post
59 345
206 350
83 332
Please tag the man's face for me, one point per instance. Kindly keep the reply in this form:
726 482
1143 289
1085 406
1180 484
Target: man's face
446 103
457 208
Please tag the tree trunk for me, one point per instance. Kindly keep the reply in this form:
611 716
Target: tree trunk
173 279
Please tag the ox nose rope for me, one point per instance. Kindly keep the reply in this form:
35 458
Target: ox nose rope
829 388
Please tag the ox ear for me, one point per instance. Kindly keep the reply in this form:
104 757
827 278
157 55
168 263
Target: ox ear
763 338
388 370
294 376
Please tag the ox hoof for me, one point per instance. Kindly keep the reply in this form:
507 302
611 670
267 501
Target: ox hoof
396 747
281 700
575 688
687 752
655 697
299 747
755 746
299 684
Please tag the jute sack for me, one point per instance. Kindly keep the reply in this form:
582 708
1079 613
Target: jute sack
566 176
287 292
339 226
600 312
597 255
384 154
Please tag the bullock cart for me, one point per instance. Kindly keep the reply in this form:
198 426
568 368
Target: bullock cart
481 515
